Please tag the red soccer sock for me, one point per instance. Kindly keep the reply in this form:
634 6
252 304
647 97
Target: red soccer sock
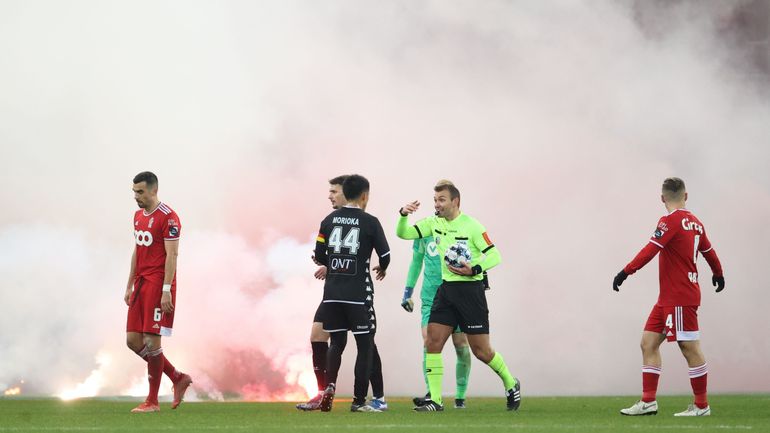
168 368
650 376
154 373
698 381
170 371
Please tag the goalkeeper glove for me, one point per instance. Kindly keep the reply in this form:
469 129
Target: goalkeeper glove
407 302
619 278
718 282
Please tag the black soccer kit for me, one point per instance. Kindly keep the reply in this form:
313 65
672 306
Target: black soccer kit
344 245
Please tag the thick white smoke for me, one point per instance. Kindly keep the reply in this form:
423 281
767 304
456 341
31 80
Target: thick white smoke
558 121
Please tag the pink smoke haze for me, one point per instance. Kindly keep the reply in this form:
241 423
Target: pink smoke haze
558 122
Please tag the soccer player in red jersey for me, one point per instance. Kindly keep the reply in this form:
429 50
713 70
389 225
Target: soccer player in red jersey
151 289
679 238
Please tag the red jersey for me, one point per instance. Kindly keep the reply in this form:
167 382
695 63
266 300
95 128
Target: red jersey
150 230
679 237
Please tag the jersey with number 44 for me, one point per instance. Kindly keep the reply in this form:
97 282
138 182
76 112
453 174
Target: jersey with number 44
679 237
150 232
344 245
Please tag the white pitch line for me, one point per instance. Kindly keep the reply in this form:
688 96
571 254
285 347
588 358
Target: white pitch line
393 426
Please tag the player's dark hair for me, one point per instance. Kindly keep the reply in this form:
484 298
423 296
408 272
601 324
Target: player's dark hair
673 187
148 177
445 185
339 180
354 186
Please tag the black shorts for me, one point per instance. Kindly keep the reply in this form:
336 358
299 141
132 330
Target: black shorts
319 316
463 304
343 317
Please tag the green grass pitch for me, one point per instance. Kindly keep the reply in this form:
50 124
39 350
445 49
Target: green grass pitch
730 413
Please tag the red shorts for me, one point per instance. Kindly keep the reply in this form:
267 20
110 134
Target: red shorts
144 312
677 323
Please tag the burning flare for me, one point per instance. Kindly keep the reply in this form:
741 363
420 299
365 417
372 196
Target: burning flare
12 391
93 383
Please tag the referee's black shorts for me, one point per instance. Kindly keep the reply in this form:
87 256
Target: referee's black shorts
463 304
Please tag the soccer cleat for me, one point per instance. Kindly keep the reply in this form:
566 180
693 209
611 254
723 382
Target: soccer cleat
641 408
513 396
379 404
459 403
312 404
355 407
419 401
693 410
180 387
327 399
429 406
146 407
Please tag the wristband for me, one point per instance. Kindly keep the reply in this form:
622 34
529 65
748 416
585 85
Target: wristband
477 270
166 288
401 213
408 292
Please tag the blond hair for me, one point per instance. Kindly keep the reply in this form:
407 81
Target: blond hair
447 185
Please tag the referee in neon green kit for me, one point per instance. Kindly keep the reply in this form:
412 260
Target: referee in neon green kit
460 300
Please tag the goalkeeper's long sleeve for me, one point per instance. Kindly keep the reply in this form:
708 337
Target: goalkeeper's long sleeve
415 267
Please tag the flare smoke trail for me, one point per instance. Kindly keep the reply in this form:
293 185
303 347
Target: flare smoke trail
557 120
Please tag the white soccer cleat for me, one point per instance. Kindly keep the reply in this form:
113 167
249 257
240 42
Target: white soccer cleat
641 408
693 410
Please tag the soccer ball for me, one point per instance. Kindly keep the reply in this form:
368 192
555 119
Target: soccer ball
457 255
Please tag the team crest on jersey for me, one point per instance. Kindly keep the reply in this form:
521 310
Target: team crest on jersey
152 220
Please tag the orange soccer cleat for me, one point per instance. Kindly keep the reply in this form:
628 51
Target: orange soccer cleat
146 407
179 389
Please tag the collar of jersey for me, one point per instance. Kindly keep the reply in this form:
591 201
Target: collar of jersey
153 211
351 206
459 215
672 212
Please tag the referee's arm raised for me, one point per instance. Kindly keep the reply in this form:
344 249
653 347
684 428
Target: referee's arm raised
404 231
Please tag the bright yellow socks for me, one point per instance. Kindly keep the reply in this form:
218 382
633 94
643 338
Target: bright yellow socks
498 365
434 370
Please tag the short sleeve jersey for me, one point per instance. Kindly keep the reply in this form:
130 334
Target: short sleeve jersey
150 232
344 244
463 229
681 236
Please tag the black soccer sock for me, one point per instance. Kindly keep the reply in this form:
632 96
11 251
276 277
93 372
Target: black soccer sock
363 368
319 362
334 355
378 385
